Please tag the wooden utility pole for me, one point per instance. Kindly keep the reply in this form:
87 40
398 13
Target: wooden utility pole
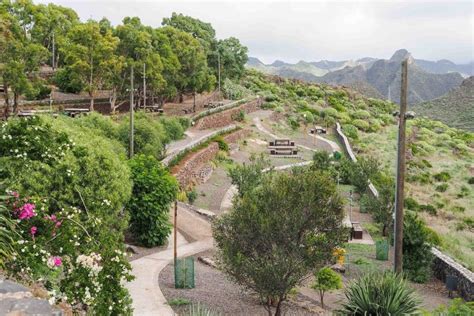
131 115
175 234
144 85
399 196
53 61
219 71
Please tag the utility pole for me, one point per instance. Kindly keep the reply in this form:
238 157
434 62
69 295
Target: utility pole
399 195
131 114
175 234
219 71
53 61
144 85
350 196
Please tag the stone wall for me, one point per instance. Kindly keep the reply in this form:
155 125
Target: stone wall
195 169
444 266
227 117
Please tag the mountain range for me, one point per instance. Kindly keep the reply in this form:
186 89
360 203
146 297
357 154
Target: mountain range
455 108
377 77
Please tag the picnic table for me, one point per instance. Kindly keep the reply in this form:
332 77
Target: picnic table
73 112
154 108
357 230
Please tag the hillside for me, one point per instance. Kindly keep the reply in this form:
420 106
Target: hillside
455 108
435 151
427 79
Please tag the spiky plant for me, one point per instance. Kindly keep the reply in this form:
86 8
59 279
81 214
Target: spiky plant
380 294
201 310
6 233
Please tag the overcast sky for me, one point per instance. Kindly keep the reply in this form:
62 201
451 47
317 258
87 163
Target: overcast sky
314 30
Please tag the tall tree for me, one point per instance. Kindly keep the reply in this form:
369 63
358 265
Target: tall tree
194 75
233 57
89 55
279 232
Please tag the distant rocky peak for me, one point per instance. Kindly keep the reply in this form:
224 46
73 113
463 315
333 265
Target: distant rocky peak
468 82
400 55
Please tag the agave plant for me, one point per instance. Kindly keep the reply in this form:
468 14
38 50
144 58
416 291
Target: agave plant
380 294
6 233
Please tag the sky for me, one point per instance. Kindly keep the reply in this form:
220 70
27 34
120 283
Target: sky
315 30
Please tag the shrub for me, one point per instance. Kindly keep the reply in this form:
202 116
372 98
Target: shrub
411 204
293 122
173 127
239 116
361 124
192 196
470 180
456 307
76 184
149 136
222 143
350 131
38 91
464 192
442 176
442 187
7 234
428 208
417 255
380 294
326 280
361 114
153 191
458 209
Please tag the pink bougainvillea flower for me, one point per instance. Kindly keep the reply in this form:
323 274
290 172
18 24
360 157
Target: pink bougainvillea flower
53 218
27 211
15 194
58 223
57 261
33 230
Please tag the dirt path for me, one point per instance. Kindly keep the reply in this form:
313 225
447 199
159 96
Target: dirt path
146 294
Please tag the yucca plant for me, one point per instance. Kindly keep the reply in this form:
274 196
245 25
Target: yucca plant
380 294
201 310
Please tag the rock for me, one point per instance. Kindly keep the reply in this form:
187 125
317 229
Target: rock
7 286
208 261
131 249
338 268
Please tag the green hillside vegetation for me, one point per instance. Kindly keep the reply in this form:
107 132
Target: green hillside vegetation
456 108
440 159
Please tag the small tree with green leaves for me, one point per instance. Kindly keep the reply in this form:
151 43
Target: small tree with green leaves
326 280
153 191
278 231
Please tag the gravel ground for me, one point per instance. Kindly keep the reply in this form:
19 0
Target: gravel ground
215 291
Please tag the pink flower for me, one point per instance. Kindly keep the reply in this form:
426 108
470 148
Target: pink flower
57 261
27 211
54 261
15 194
53 218
58 223
33 230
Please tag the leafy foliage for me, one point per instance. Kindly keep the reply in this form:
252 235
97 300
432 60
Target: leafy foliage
280 228
380 294
326 280
153 191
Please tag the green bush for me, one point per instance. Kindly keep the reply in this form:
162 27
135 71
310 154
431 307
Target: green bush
222 143
191 196
470 180
442 187
456 307
380 294
442 176
149 136
173 127
417 255
293 122
350 131
326 280
411 204
463 192
361 114
73 176
361 124
39 91
458 209
153 191
428 208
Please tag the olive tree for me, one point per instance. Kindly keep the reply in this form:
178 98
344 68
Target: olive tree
278 232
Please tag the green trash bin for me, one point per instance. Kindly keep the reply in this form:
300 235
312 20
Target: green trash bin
184 273
381 250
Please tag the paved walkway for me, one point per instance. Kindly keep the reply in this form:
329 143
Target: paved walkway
148 300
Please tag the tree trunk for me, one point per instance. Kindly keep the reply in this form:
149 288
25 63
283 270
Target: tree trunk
181 98
194 101
15 103
384 230
91 107
278 307
7 100
321 294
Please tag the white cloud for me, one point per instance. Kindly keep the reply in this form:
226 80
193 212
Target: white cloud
313 30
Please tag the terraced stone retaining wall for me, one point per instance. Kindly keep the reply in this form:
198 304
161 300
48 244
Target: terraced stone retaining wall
442 265
227 117
195 169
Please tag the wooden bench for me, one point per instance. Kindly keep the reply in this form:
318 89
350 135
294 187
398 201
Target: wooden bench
318 130
282 147
357 231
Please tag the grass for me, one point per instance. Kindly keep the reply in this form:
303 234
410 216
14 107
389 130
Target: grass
179 302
